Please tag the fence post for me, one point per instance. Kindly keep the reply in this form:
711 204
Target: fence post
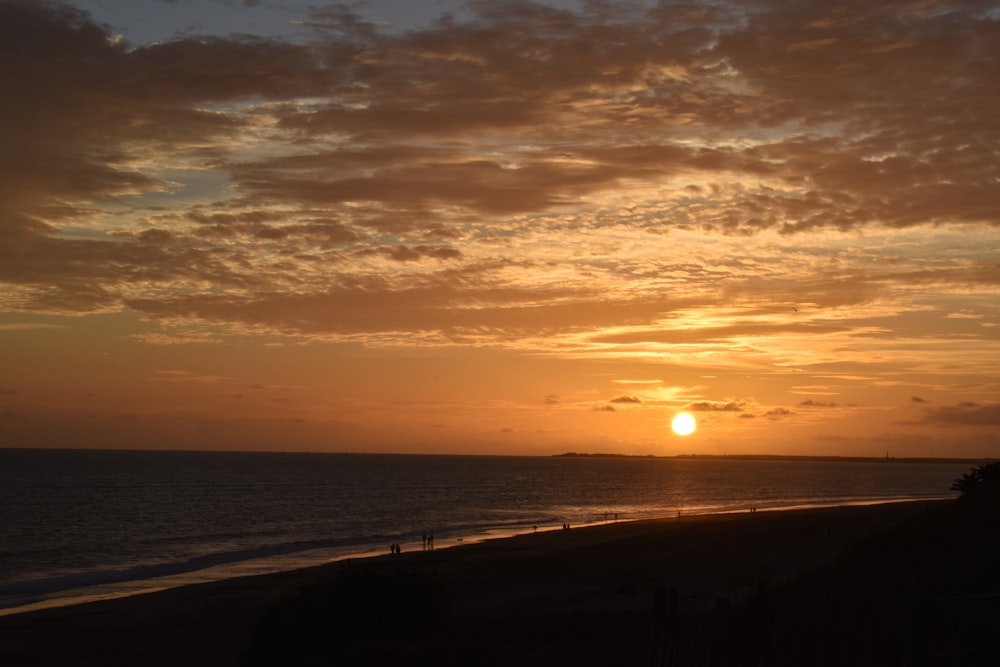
665 619
760 625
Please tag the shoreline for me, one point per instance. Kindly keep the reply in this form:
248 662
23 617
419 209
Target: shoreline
87 594
604 568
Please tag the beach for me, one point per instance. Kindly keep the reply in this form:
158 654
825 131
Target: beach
553 583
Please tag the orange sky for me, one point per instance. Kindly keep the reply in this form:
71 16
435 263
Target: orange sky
501 227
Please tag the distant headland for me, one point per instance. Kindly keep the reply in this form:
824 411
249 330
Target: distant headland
780 457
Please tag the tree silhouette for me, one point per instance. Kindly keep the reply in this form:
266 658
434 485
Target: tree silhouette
980 483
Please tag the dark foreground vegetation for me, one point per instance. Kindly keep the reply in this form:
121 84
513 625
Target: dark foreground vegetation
924 593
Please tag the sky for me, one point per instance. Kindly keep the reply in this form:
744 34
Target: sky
501 227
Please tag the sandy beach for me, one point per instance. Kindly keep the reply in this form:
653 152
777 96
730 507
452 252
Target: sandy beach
547 594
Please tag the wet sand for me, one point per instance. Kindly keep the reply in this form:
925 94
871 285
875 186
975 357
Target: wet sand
553 578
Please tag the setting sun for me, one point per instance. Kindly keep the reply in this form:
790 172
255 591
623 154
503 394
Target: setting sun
683 424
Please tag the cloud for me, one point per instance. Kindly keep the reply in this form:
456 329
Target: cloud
402 253
187 376
964 414
365 181
917 399
714 406
29 326
638 381
816 404
627 399
175 339
719 333
376 304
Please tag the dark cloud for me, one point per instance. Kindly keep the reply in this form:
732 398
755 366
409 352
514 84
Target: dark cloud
720 333
917 399
626 399
816 404
78 275
778 412
376 304
850 139
965 414
402 253
83 109
714 406
83 103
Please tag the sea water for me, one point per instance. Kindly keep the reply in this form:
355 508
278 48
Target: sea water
78 525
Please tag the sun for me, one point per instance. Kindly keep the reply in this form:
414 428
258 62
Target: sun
683 424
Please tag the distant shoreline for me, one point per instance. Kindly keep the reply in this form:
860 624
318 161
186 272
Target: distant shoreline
780 457
723 457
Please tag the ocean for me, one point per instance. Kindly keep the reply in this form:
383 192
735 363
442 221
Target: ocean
80 525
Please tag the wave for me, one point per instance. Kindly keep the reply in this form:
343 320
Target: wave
46 586
28 591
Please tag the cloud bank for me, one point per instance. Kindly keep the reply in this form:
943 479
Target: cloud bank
738 191
376 166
